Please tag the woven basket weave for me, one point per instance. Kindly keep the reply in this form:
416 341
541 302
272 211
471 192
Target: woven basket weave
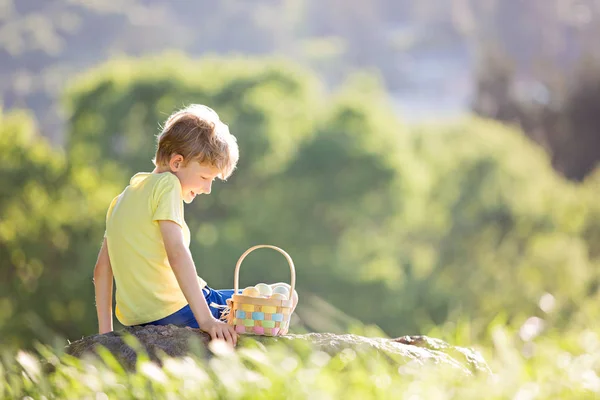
260 316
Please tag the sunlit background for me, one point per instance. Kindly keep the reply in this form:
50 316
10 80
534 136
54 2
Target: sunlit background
430 166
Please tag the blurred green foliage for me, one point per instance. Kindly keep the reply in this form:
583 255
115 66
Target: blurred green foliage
405 227
550 366
49 231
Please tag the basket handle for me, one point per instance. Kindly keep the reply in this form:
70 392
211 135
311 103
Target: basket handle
236 277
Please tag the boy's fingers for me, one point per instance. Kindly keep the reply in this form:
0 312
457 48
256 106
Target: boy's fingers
228 337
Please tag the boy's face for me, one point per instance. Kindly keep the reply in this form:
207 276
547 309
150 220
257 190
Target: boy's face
195 179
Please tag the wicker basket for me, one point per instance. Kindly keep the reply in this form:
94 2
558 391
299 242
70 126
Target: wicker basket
260 316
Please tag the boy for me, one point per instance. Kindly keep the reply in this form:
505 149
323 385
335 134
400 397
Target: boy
146 241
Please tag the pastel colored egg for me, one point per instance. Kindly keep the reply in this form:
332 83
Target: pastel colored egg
264 289
279 296
282 290
251 291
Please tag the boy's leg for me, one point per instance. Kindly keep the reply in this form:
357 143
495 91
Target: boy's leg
217 300
183 317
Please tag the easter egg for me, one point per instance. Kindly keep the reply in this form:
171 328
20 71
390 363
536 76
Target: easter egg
264 289
279 296
282 290
251 291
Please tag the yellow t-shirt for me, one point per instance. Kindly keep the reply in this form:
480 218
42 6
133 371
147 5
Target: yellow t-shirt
147 289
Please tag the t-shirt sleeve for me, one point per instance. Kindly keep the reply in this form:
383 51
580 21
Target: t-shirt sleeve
110 209
167 201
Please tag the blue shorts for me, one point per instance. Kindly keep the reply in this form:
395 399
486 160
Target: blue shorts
185 317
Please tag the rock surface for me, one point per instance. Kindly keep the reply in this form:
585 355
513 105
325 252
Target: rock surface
178 342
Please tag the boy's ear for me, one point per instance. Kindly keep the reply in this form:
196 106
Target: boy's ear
176 162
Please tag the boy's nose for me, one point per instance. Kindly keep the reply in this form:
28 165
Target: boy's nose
208 188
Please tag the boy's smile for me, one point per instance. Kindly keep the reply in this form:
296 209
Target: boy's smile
195 178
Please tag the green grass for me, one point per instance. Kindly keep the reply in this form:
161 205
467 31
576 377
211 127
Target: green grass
548 366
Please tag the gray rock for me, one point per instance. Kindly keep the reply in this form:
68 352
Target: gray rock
414 351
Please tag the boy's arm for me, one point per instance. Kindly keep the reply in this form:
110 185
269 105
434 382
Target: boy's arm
103 284
185 271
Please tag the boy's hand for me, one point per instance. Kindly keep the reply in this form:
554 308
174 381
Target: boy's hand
220 330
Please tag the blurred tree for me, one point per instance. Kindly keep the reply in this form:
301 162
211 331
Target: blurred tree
48 234
547 81
559 112
492 227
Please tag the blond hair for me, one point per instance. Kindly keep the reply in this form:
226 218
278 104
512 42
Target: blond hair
197 133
